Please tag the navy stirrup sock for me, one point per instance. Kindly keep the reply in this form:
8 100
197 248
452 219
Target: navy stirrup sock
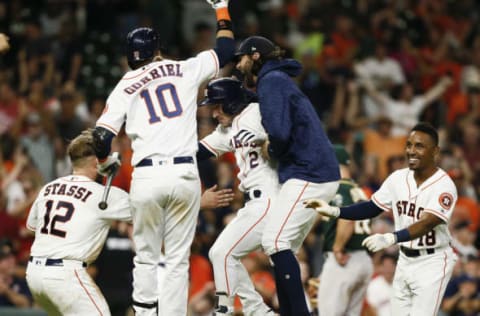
288 281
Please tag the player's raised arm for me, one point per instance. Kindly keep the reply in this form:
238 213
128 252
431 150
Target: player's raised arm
225 45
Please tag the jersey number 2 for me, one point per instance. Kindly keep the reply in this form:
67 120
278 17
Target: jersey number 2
57 218
166 110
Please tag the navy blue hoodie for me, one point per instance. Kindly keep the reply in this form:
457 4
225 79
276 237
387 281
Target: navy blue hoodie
297 139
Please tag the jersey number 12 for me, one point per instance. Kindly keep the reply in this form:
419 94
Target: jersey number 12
57 218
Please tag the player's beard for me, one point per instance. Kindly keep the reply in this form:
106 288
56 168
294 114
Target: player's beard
249 80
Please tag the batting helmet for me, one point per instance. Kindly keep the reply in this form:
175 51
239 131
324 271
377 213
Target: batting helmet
141 45
255 44
229 93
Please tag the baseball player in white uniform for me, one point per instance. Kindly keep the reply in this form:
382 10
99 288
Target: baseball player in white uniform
70 231
157 102
422 198
240 131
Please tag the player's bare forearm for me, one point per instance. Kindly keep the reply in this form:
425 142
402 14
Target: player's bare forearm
343 234
426 223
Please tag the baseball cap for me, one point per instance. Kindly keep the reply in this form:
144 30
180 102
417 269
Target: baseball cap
255 44
342 155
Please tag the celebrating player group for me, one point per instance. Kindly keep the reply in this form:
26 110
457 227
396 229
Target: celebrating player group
289 173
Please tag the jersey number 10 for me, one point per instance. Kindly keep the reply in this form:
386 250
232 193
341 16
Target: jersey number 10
166 111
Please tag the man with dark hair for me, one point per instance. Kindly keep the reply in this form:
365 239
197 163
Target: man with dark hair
307 167
422 198
156 101
239 130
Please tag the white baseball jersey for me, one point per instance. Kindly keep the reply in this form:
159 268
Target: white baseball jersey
67 221
244 233
437 195
157 99
255 171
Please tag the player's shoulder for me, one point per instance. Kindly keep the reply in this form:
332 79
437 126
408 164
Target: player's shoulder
118 193
399 174
202 56
444 180
249 115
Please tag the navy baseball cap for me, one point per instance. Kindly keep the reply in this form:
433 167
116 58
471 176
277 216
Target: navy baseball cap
255 44
342 155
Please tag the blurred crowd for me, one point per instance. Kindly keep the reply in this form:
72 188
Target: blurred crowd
372 69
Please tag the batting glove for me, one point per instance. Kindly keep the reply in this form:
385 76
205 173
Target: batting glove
218 4
110 165
322 207
379 241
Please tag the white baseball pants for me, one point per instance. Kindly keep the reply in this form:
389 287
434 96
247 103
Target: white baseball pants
289 221
65 290
165 202
420 282
241 236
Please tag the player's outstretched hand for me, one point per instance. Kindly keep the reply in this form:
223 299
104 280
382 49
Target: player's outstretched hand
110 165
212 198
379 241
217 4
322 207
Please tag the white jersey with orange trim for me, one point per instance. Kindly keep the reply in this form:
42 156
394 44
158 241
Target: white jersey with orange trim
155 102
255 171
67 221
259 181
437 195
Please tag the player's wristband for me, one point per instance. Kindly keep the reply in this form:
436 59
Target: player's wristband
402 235
222 14
224 25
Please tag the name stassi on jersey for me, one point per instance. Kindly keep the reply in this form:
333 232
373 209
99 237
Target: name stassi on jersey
168 70
75 191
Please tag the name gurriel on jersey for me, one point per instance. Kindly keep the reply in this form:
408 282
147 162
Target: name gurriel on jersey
75 191
165 70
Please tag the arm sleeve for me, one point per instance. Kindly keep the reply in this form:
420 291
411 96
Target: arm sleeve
275 97
218 142
102 142
118 206
32 219
225 50
443 202
362 210
202 67
115 111
383 197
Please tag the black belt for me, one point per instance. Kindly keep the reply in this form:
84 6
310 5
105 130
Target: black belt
415 252
55 262
147 162
247 196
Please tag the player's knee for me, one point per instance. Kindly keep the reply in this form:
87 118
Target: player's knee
216 253
273 245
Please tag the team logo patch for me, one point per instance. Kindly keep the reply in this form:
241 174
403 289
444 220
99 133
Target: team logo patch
446 200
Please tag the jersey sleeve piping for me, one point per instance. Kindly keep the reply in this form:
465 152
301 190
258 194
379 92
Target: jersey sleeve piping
110 128
33 229
438 214
209 147
380 205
